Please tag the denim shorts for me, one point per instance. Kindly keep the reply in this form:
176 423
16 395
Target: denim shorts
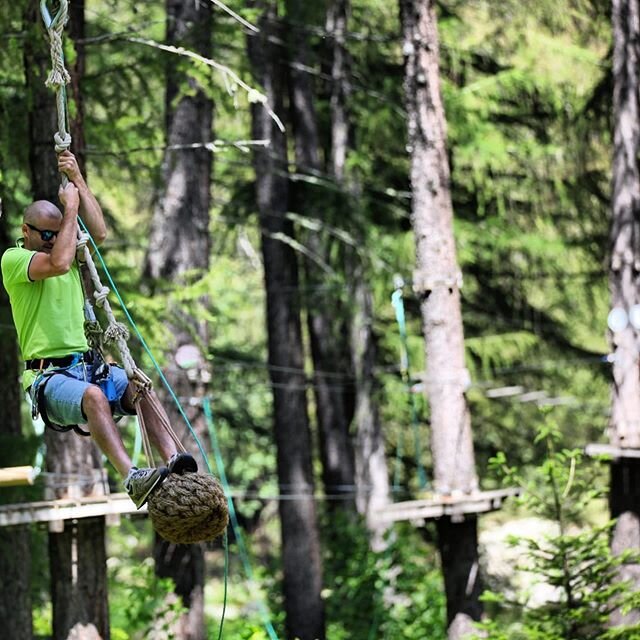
63 392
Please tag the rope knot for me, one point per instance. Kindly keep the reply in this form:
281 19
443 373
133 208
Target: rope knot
101 295
62 142
83 239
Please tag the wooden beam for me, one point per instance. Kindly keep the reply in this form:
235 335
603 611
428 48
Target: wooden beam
17 476
610 451
67 509
454 506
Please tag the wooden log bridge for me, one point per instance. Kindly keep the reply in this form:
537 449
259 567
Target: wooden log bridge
438 506
56 512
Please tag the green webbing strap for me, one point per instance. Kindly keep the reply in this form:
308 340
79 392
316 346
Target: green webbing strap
206 406
398 305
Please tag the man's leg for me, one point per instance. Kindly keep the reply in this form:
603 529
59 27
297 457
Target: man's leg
70 399
139 483
104 430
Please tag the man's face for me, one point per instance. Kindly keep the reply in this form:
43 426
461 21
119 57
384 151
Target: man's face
40 229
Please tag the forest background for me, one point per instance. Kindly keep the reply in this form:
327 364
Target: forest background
528 99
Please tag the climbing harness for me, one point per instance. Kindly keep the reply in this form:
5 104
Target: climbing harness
95 370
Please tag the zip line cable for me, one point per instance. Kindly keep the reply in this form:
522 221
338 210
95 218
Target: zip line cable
206 406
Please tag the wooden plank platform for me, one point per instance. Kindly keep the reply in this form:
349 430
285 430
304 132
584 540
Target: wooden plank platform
610 451
439 506
67 509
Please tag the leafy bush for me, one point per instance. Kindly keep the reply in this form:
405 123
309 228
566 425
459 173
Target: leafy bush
577 561
396 593
142 605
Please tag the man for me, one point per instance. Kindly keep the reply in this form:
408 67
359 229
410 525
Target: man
68 383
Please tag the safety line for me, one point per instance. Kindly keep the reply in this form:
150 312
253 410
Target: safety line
206 406
114 288
219 463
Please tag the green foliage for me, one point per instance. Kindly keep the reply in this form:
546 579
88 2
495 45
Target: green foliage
577 561
395 593
527 107
141 603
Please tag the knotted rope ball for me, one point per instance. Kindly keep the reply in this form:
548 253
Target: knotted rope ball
189 508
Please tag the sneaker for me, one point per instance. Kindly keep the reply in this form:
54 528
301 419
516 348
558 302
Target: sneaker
181 463
141 482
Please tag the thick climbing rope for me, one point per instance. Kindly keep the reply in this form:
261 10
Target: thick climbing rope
58 76
116 332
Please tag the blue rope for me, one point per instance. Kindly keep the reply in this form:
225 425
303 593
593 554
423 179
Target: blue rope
144 344
206 406
218 457
398 305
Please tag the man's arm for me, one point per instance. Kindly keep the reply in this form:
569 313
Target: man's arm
46 265
90 210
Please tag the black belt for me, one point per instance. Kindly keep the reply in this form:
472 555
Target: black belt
64 361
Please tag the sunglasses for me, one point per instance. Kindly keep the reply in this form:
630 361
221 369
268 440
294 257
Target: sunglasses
45 234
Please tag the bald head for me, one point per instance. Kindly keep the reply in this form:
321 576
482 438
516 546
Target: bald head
41 216
41 212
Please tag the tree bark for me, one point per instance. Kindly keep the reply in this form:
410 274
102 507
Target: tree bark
180 243
624 427
436 281
326 318
77 34
77 554
336 27
372 474
370 463
180 227
300 540
78 566
625 227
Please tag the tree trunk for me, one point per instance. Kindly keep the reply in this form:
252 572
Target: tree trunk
625 228
77 553
325 316
180 243
370 472
15 556
436 282
76 71
372 475
624 428
79 591
300 540
336 27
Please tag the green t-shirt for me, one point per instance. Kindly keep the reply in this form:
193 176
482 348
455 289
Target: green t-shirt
48 314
